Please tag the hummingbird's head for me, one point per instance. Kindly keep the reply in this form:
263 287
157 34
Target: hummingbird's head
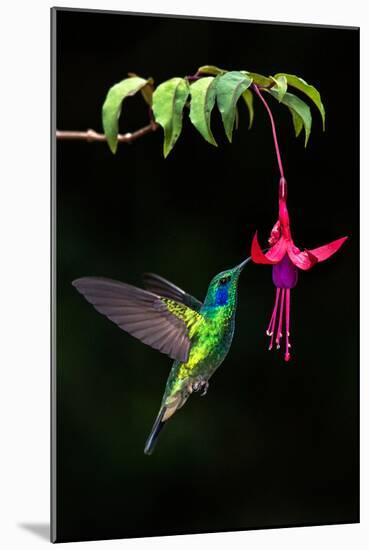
223 287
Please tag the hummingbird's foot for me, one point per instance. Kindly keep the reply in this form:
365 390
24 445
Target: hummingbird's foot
201 384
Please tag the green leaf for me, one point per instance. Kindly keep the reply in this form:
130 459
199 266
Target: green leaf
211 69
249 100
203 94
259 79
280 86
113 105
307 89
299 110
229 88
169 100
237 118
147 90
298 123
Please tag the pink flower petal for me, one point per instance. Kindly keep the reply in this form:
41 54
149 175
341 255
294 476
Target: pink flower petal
274 254
257 254
283 214
275 233
302 259
326 251
277 252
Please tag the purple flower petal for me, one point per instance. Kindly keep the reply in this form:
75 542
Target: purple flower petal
285 274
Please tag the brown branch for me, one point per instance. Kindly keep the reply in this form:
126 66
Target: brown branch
91 135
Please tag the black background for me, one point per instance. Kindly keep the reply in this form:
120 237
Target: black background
272 444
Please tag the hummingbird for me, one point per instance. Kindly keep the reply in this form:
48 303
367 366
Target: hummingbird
196 335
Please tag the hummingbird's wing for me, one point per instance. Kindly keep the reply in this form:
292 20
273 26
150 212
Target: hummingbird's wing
159 285
157 321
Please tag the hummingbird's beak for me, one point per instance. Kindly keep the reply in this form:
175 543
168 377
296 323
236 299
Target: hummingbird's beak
242 264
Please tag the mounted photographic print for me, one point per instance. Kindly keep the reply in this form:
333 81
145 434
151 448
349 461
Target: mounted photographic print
205 203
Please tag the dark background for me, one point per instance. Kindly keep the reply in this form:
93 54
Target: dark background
272 444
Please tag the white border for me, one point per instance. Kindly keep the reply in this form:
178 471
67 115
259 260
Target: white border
24 271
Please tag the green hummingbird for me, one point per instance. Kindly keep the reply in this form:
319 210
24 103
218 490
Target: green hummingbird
196 335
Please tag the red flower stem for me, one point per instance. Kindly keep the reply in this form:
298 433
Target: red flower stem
279 159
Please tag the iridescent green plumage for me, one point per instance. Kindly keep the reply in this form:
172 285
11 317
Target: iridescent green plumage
211 332
196 335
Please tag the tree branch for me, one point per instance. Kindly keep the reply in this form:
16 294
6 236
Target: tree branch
90 135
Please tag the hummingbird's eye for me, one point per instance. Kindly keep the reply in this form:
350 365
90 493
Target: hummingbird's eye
224 280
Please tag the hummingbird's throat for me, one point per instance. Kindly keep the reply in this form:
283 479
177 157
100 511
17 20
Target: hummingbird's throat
221 296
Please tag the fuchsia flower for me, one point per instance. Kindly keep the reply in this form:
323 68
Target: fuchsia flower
284 256
286 260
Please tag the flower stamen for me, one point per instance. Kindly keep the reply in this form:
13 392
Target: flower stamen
281 310
274 314
287 354
279 333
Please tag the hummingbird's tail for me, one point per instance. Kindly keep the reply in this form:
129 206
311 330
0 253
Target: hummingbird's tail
156 429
